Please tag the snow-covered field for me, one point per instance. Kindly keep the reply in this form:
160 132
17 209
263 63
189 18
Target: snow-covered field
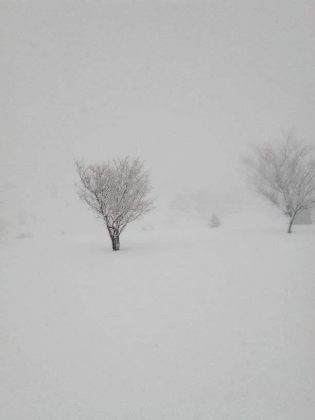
203 324
185 322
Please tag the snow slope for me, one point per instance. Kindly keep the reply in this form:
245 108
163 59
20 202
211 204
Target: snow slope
182 324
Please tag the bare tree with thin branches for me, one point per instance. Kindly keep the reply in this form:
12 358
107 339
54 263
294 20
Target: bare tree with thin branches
117 192
285 175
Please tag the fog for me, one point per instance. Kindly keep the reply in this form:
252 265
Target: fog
185 85
207 310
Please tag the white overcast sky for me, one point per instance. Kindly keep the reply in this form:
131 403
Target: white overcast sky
185 85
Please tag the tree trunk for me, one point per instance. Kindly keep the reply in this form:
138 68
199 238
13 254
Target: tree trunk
114 235
115 241
291 223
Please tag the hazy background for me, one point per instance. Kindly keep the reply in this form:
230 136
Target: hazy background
184 85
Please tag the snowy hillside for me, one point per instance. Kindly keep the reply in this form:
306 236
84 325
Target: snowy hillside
204 324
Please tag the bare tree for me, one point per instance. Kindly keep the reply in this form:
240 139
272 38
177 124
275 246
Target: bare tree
117 192
285 175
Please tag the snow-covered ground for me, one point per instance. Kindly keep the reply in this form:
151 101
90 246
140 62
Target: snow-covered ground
185 322
203 324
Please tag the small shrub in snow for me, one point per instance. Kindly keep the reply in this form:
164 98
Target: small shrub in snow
215 221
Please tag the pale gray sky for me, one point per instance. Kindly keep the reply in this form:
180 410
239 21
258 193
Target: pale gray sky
185 85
